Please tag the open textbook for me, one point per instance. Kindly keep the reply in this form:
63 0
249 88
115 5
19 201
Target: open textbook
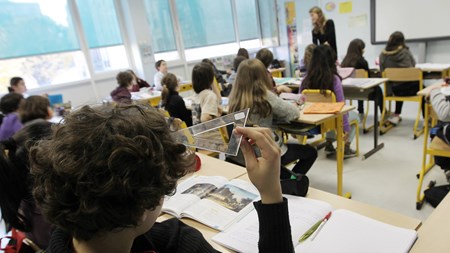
345 231
213 201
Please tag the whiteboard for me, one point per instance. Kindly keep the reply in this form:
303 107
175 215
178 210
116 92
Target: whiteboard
419 20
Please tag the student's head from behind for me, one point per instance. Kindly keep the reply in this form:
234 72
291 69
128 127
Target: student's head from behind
132 73
202 77
396 40
354 52
170 85
111 172
308 54
125 79
17 85
35 107
265 56
317 17
237 61
243 52
10 102
161 66
322 70
250 88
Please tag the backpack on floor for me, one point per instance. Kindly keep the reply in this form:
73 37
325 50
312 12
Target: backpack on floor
436 194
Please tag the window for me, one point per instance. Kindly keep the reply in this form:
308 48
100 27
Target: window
38 42
102 31
247 19
205 22
160 22
268 22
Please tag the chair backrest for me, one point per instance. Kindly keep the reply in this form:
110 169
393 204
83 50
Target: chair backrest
186 87
403 74
154 102
361 73
316 96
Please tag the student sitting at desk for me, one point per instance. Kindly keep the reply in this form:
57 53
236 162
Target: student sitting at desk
252 90
9 105
218 74
161 67
322 75
266 57
140 83
355 59
243 52
172 101
35 108
207 99
441 105
397 55
236 63
122 93
109 200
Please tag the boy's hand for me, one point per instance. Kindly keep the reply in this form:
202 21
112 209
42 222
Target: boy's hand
264 172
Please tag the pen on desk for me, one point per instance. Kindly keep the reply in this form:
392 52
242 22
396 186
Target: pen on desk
314 227
321 225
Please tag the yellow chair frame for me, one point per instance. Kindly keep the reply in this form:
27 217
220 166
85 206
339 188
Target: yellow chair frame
437 147
402 75
313 95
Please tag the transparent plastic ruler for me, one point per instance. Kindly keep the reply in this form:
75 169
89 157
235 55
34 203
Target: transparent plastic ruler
215 135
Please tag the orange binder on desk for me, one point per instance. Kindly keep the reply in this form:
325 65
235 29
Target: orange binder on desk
324 108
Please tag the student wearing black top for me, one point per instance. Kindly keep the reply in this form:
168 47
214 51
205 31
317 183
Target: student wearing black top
355 59
172 101
109 200
323 32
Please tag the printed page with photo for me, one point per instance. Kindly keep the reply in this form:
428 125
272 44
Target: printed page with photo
224 206
190 192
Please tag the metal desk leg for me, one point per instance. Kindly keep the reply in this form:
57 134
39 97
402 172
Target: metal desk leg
376 146
340 154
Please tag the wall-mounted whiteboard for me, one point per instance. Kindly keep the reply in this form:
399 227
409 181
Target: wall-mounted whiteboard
419 20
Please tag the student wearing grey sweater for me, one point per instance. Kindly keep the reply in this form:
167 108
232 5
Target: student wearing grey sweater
441 105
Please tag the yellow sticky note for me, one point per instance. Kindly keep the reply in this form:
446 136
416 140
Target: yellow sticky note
345 7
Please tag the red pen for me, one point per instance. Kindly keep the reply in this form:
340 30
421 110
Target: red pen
325 219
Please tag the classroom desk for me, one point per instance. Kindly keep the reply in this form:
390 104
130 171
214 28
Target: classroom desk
212 168
337 120
433 234
360 88
277 72
434 70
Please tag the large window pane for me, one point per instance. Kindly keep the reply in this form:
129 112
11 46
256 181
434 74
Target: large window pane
44 69
247 19
100 23
268 21
160 21
35 27
205 22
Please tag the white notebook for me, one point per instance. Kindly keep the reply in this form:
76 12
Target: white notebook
345 231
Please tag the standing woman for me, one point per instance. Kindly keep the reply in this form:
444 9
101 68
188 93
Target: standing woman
323 32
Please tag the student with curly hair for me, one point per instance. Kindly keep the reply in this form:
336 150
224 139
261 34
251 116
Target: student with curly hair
122 94
105 186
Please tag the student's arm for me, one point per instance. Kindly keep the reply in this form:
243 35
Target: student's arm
282 110
440 105
315 37
264 173
339 92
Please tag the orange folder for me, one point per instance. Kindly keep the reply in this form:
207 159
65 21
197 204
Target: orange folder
324 108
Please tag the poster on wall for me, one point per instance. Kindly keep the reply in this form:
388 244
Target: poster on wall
291 22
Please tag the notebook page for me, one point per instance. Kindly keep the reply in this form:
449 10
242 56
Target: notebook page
349 232
303 213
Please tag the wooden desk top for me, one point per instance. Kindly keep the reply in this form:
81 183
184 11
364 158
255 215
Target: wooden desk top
315 119
362 83
213 167
426 91
433 67
433 234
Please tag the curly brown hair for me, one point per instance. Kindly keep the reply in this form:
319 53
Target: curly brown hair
104 167
124 78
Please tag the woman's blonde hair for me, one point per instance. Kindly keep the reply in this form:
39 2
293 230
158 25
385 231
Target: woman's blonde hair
250 89
321 20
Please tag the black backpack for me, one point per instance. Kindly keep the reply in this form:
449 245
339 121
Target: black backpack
435 195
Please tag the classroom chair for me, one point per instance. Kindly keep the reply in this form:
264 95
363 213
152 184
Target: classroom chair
155 101
362 73
401 75
315 96
437 147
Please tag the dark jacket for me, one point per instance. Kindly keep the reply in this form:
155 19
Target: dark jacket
329 35
360 63
121 95
140 84
177 108
175 236
398 58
